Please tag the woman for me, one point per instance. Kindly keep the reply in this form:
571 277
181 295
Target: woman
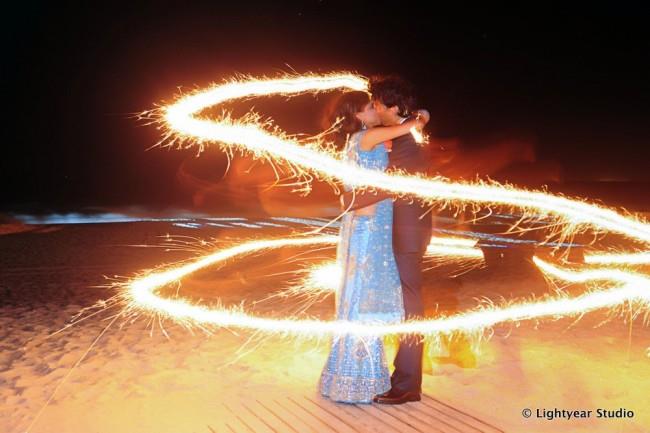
370 290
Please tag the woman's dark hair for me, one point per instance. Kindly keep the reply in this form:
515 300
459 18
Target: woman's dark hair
345 107
392 90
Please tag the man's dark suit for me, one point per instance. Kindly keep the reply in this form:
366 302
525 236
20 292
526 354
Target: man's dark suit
411 235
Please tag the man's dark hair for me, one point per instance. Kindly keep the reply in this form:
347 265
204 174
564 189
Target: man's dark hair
392 90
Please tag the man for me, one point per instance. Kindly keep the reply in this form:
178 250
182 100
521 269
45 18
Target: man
394 102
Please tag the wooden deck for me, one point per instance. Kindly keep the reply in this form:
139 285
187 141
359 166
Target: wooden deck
312 413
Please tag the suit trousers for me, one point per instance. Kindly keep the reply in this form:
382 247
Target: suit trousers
409 252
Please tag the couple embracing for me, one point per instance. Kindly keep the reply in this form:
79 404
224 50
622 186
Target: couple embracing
382 243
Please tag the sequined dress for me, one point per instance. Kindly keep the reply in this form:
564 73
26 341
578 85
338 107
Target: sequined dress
370 292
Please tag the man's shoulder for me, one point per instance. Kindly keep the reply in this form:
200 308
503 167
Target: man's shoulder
404 138
408 136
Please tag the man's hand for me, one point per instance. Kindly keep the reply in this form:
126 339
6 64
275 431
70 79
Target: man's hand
423 115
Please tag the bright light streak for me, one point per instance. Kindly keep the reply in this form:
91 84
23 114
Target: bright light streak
248 134
142 293
618 259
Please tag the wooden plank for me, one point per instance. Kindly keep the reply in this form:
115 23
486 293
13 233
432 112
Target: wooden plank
272 418
305 413
249 418
406 414
339 423
234 423
288 417
214 431
434 419
332 423
459 415
389 420
354 416
309 419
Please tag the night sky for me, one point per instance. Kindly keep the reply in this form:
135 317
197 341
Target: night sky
73 76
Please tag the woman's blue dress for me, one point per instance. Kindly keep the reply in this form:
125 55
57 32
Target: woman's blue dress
370 292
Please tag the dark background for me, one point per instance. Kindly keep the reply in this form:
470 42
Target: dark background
73 76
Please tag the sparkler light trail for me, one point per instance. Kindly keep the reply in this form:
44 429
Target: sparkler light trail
633 287
325 277
619 259
250 135
454 247
183 126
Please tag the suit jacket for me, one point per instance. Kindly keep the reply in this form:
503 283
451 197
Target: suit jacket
411 221
409 156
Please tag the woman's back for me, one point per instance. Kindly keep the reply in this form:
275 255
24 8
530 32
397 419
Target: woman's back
375 159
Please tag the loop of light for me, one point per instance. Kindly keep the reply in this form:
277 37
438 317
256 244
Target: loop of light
618 286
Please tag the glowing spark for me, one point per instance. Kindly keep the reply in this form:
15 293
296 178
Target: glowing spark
443 250
454 247
142 292
325 277
618 259
417 135
453 241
